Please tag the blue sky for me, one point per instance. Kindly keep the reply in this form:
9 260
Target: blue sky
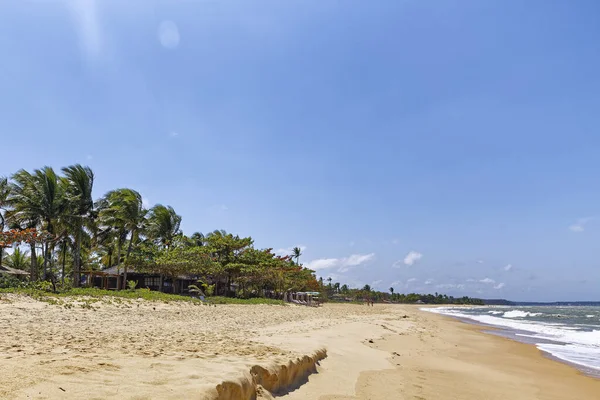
448 146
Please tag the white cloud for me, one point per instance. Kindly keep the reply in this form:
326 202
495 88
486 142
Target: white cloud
479 261
508 267
322 263
376 284
411 280
395 241
343 264
411 258
357 259
471 280
458 286
579 226
288 250
173 134
168 34
499 286
487 281
89 157
429 281
86 18
396 283
146 203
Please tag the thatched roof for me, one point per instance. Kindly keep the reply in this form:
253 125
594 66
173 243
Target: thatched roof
12 271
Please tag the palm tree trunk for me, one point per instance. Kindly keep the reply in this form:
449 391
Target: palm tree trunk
119 247
110 256
127 259
77 258
33 273
130 246
45 254
63 262
1 255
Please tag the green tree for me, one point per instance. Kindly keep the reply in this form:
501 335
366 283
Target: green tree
18 259
37 200
227 249
123 210
163 225
296 253
79 182
198 239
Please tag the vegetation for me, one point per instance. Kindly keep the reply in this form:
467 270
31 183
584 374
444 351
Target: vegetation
335 292
58 232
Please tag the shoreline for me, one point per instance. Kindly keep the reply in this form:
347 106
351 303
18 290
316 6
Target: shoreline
140 350
522 336
440 357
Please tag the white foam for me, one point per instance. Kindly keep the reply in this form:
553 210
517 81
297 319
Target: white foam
584 356
519 314
572 345
556 332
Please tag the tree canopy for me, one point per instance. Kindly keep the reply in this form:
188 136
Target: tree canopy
56 216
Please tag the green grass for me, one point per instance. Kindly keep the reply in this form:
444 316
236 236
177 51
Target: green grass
130 294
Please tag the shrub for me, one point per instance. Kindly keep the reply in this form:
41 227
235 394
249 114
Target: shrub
9 281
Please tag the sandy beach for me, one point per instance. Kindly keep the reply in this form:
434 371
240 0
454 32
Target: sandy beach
125 349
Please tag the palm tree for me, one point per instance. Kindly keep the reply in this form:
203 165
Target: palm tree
163 225
79 182
296 253
392 291
105 243
18 259
198 239
37 200
123 210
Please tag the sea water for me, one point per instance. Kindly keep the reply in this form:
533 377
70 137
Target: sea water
568 333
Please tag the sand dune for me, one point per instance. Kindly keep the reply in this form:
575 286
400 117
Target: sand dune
142 350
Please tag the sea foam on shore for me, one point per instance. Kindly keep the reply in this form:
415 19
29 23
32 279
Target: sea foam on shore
567 333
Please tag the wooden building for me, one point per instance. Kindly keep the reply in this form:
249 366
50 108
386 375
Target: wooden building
112 279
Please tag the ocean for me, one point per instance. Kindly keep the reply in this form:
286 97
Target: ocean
568 333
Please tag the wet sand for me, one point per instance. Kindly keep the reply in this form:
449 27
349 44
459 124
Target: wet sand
442 358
